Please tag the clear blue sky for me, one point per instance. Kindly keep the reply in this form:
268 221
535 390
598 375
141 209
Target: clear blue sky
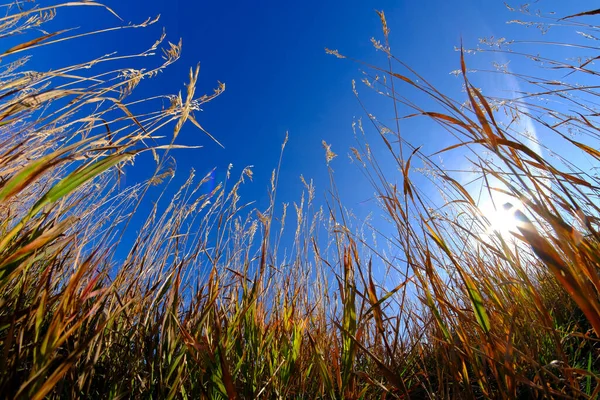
271 56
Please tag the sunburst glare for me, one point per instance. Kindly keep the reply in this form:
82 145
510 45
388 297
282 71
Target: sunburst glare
501 216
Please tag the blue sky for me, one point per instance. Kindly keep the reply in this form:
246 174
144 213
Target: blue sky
271 56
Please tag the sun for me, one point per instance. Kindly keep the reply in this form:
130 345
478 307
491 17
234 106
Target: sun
501 217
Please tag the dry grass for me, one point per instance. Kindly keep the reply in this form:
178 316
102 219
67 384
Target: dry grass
207 304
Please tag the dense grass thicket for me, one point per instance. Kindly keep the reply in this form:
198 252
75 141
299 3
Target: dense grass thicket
211 299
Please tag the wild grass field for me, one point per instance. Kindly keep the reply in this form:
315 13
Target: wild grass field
213 300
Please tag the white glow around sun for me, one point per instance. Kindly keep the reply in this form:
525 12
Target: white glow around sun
501 219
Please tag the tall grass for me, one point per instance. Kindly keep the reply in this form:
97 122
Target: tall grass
205 302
